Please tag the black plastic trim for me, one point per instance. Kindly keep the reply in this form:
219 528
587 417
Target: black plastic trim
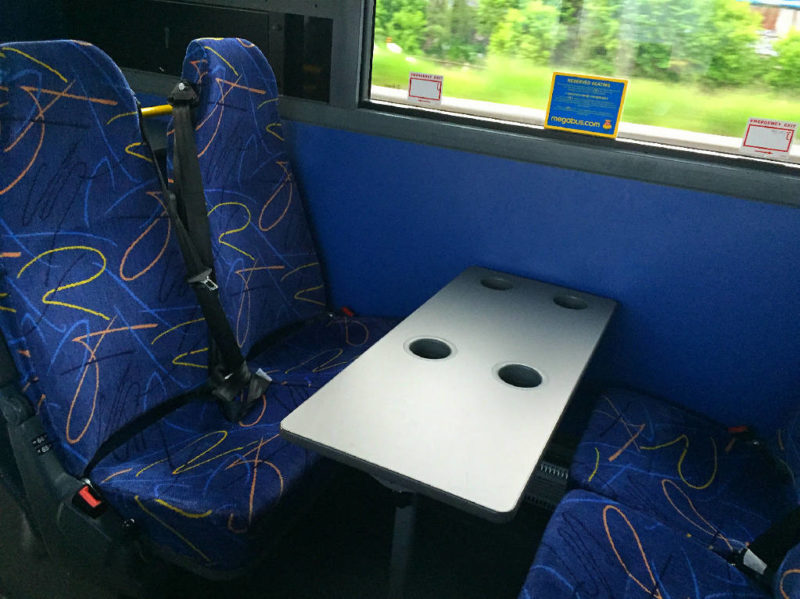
747 178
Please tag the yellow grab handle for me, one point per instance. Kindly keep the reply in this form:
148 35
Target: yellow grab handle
151 111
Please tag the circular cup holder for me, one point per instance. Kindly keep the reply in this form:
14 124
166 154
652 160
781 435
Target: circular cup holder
519 375
497 283
570 302
430 349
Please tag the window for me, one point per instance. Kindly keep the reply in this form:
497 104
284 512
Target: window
698 69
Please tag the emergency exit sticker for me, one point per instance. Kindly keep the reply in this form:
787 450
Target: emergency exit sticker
767 138
425 88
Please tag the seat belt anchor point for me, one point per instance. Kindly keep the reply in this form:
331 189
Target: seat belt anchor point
184 93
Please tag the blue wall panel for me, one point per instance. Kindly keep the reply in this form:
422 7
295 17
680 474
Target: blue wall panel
708 285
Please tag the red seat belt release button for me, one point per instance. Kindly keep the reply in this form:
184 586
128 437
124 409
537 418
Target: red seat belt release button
89 501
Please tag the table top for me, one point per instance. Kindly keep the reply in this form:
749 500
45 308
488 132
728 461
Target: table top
459 400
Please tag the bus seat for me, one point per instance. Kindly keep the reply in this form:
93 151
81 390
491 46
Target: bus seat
270 279
267 266
94 306
103 329
596 547
212 493
682 468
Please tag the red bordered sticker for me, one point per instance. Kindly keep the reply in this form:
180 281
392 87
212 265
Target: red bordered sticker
425 88
768 138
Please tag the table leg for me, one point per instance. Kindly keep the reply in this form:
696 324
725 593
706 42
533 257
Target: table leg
405 514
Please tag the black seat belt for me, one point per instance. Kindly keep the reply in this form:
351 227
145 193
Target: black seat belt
229 374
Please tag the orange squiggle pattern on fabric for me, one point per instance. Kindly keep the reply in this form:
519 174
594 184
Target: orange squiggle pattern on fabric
628 427
285 180
93 363
634 430
706 526
652 590
255 462
784 576
260 415
40 119
301 294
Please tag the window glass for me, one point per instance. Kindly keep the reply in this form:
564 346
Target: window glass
698 69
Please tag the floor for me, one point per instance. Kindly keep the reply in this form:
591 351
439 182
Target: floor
340 549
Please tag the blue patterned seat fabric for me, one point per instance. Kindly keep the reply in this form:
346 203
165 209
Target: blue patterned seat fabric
94 306
103 327
322 348
786 584
200 485
681 468
597 548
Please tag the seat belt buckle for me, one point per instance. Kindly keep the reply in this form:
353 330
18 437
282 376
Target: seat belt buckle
261 374
752 562
748 562
88 500
204 279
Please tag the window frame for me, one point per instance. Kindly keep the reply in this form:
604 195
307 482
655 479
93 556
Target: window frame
350 108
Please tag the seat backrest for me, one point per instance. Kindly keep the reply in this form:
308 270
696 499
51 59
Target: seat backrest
93 301
265 260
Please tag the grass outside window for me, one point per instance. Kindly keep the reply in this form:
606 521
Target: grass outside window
691 107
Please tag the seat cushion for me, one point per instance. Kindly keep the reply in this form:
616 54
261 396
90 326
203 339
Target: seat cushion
598 548
318 351
680 467
197 484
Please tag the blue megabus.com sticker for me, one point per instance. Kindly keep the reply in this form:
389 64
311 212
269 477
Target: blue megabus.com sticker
585 104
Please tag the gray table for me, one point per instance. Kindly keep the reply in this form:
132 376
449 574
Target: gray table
459 400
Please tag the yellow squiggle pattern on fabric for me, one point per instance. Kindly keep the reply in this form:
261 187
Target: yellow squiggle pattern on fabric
183 513
70 285
177 326
37 61
685 439
179 359
191 545
129 150
596 464
222 58
232 231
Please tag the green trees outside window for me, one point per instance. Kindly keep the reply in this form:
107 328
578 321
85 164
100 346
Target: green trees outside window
676 52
